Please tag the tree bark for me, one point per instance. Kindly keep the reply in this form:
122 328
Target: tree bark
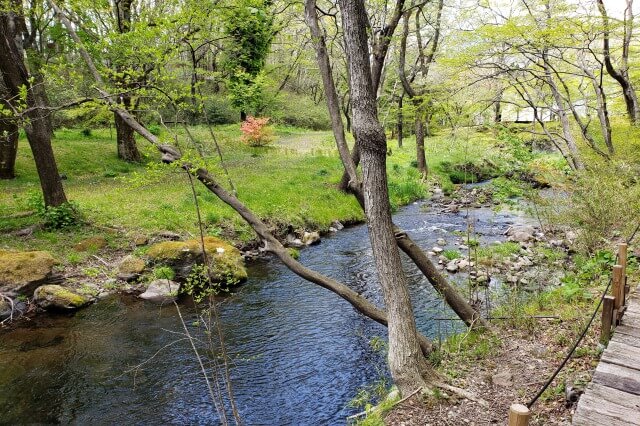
406 363
125 135
400 124
15 77
8 139
421 159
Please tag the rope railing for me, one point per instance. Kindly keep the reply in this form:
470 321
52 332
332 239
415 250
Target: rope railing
519 414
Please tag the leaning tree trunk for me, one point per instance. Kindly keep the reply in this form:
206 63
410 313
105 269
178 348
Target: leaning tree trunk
399 124
16 79
405 358
125 136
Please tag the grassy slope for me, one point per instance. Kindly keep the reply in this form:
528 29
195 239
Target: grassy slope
292 182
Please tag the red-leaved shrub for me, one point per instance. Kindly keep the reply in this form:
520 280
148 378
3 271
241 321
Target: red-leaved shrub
256 132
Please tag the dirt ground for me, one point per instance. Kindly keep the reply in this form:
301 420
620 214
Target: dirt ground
514 372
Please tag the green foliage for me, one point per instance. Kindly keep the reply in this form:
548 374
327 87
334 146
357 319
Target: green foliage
62 216
163 273
451 254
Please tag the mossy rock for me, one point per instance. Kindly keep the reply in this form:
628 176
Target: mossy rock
227 264
22 272
89 244
57 297
130 268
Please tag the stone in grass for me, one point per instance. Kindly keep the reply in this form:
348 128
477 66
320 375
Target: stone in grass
227 265
311 238
22 272
57 297
161 291
93 243
130 268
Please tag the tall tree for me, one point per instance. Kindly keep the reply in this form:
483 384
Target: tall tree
405 358
23 101
621 74
125 135
8 136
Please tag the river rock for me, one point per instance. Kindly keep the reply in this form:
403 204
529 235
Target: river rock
89 244
293 241
161 291
337 225
437 250
521 233
441 242
463 264
311 238
57 297
452 266
227 264
130 268
22 272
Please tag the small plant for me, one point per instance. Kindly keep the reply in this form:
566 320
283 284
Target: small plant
154 129
256 132
164 273
451 254
86 132
59 217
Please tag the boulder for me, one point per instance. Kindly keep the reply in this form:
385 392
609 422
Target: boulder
520 233
337 225
311 238
437 250
22 272
130 268
293 241
57 297
140 240
227 265
452 266
441 242
161 291
93 243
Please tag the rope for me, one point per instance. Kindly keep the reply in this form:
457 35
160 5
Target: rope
584 332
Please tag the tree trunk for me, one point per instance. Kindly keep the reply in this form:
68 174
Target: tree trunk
8 148
126 141
405 358
243 115
15 77
399 124
35 61
421 159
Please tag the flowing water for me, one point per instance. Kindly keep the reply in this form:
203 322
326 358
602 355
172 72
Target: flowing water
300 353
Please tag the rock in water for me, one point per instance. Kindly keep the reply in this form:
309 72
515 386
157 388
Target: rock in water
227 265
22 272
521 234
161 291
57 297
311 238
130 268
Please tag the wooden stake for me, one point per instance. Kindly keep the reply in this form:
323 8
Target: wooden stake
519 415
617 288
622 257
607 319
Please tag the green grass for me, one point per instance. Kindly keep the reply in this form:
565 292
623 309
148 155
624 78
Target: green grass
293 182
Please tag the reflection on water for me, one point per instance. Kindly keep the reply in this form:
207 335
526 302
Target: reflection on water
299 352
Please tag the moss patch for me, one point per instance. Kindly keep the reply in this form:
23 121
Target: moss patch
19 269
91 244
227 264
58 297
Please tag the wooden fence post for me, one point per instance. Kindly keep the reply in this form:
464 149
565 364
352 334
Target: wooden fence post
607 318
617 290
622 260
519 415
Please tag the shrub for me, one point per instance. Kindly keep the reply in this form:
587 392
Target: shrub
256 132
59 217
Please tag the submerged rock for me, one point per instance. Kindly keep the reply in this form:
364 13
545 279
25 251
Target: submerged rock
521 234
161 291
227 265
57 297
22 272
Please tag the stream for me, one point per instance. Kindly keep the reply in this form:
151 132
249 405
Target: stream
300 353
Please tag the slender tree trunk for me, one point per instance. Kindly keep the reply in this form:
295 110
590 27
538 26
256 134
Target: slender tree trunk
35 61
8 148
421 159
399 124
405 358
602 111
15 77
